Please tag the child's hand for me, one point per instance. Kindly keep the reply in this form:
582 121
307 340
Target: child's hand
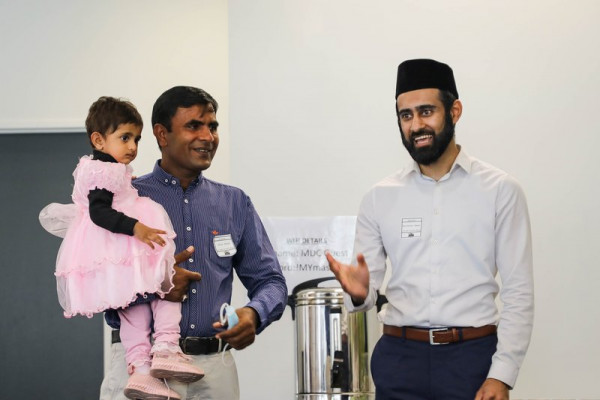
148 235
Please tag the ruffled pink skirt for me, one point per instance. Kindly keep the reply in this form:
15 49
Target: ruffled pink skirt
97 269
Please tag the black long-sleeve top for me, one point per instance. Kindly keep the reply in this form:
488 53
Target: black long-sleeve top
101 211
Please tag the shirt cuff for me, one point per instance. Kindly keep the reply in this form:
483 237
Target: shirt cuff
127 225
504 373
349 304
262 315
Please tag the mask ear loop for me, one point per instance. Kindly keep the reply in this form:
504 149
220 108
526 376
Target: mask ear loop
223 321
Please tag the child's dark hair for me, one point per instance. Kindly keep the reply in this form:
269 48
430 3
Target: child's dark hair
107 113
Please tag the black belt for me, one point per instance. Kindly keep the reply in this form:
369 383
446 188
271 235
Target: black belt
190 345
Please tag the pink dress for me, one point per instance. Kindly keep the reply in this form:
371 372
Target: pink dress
97 269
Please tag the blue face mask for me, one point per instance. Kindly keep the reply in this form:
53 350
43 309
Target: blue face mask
230 319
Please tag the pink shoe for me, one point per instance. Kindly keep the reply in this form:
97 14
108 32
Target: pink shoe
168 365
145 387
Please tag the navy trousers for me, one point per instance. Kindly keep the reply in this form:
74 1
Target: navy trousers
410 370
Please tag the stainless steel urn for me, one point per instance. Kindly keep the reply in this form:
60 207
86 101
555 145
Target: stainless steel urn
332 348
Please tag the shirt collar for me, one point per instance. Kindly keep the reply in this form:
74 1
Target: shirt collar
463 160
411 167
101 156
167 179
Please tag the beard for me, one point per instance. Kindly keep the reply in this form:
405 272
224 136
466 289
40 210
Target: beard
430 154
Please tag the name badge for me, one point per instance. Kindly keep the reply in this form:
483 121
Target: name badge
224 245
411 227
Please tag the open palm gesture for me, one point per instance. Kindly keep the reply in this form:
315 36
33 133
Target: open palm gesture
354 279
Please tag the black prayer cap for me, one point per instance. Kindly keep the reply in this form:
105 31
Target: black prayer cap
425 74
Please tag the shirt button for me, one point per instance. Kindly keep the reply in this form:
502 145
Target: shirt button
173 181
191 260
166 181
189 228
186 201
193 290
192 326
436 211
434 241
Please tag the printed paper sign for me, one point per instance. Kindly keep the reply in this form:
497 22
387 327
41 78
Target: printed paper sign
301 243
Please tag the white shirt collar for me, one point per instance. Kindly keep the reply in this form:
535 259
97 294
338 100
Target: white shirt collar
462 160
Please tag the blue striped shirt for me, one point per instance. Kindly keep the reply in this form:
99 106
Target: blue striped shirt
206 210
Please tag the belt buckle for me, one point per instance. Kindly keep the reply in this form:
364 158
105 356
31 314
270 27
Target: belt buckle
184 342
431 331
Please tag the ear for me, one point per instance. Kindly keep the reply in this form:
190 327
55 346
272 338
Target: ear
456 111
97 140
160 132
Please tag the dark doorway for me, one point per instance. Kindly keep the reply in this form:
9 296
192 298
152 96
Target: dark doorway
42 354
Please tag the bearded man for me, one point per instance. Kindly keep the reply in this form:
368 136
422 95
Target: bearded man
447 223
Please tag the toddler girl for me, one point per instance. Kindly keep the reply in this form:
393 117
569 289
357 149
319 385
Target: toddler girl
119 246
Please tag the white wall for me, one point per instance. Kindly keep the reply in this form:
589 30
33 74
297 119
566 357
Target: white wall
59 56
312 128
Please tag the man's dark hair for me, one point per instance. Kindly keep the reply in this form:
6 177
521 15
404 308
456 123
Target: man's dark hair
107 113
167 104
447 100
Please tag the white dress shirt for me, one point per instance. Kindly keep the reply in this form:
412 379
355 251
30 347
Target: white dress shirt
445 241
